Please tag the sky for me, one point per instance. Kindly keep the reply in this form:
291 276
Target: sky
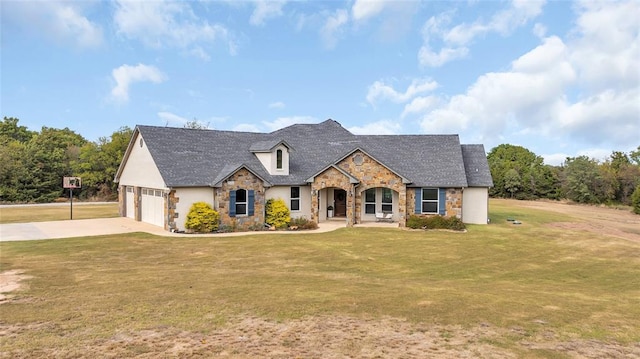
560 78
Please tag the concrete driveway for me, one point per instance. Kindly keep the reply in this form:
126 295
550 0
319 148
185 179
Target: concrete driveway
102 226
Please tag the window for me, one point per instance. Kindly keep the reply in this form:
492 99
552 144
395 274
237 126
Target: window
370 201
279 159
430 200
295 198
387 200
241 202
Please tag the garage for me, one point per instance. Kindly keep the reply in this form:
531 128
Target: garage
153 206
130 203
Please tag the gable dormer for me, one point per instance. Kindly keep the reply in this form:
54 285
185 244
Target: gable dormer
274 156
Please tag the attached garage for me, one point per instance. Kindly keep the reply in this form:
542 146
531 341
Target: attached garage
152 206
475 205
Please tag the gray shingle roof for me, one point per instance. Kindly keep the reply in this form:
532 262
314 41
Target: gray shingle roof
190 157
476 165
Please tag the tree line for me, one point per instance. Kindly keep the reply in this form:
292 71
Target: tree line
33 163
521 174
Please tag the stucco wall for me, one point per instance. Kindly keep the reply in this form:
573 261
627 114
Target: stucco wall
140 169
183 198
475 208
284 193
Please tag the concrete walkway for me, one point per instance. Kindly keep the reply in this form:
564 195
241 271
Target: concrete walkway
105 226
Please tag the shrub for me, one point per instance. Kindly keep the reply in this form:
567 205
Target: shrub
202 218
303 223
635 200
435 222
277 213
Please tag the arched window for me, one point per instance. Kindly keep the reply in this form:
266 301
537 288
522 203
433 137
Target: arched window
279 159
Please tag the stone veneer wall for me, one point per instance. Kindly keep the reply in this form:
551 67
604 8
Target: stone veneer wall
453 202
372 174
331 178
242 179
173 203
122 203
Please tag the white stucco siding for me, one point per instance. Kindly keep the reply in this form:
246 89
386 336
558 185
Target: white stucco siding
475 205
187 197
284 193
140 169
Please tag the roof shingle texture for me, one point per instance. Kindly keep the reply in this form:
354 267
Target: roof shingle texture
190 157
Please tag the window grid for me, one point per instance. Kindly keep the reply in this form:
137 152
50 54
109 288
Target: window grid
295 198
370 201
430 200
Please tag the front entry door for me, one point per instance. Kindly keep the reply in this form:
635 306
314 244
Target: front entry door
340 200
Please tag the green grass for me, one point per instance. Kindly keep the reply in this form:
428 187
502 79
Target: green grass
85 289
24 214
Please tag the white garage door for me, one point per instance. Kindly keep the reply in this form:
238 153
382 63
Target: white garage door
130 208
153 206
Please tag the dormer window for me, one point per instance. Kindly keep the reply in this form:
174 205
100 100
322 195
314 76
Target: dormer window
279 159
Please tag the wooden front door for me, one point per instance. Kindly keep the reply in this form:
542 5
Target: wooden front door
340 200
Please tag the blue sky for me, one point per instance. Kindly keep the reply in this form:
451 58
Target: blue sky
559 78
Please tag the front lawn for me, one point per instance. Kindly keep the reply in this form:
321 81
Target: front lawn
512 290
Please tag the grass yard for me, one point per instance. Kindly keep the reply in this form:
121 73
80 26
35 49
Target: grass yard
535 290
56 212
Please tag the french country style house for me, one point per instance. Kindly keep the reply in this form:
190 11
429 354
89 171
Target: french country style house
322 171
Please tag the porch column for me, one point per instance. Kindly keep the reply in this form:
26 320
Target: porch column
314 203
402 207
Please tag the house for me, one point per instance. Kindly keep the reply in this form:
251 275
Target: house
322 171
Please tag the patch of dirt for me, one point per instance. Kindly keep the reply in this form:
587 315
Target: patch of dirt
10 281
326 337
596 219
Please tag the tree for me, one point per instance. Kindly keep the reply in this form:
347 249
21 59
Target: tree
635 200
98 163
512 181
196 125
586 182
535 179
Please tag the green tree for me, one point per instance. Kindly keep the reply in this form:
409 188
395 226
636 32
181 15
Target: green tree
635 200
536 179
9 129
512 181
98 163
586 182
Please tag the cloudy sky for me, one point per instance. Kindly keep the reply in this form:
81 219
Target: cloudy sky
559 78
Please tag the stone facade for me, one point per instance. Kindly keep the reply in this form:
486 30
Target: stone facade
453 202
370 174
331 177
173 202
242 179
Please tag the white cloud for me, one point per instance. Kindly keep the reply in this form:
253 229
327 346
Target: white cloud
62 21
607 44
277 105
126 75
365 9
539 30
333 27
427 57
264 10
383 127
381 91
282 122
171 118
159 24
456 39
583 91
419 105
